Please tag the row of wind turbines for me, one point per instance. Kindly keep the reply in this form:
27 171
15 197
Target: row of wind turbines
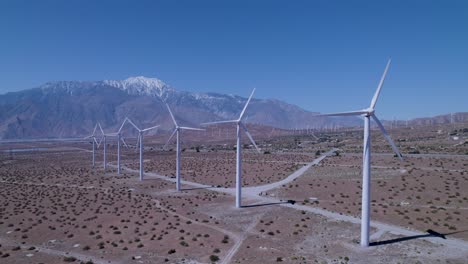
366 113
139 143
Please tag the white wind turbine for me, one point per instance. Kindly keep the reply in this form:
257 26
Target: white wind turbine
119 136
238 152
140 140
104 136
367 114
93 136
177 133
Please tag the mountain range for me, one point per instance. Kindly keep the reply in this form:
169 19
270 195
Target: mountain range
64 109
72 108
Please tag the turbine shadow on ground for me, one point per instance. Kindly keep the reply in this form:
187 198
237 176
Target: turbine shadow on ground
267 204
430 233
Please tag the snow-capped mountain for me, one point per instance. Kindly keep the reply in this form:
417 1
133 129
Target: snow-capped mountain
71 108
141 86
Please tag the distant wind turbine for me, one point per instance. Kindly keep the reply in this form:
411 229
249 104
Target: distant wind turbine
366 173
176 132
104 136
93 136
140 140
238 149
119 138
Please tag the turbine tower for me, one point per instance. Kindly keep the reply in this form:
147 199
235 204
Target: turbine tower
140 140
176 131
368 113
240 126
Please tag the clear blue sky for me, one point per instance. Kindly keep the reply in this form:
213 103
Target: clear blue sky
321 55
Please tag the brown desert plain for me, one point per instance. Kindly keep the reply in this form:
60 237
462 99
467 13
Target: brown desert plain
301 200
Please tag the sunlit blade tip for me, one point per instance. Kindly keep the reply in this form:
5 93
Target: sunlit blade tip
247 104
379 88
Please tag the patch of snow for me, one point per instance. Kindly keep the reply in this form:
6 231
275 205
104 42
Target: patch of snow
141 85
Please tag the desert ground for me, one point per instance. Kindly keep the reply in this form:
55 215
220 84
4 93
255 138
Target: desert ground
301 201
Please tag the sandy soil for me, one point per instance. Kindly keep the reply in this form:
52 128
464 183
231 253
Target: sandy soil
55 208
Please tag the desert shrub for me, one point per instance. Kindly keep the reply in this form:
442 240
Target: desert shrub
184 244
214 258
69 259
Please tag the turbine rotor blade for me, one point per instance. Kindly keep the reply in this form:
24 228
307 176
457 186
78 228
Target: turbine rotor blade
192 128
377 93
219 122
100 141
172 135
246 104
102 131
172 116
316 138
94 131
123 141
138 142
387 136
249 136
149 128
350 113
123 123
133 124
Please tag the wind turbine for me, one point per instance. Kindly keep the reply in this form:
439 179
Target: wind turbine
368 113
93 136
238 149
120 138
177 133
140 140
104 136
